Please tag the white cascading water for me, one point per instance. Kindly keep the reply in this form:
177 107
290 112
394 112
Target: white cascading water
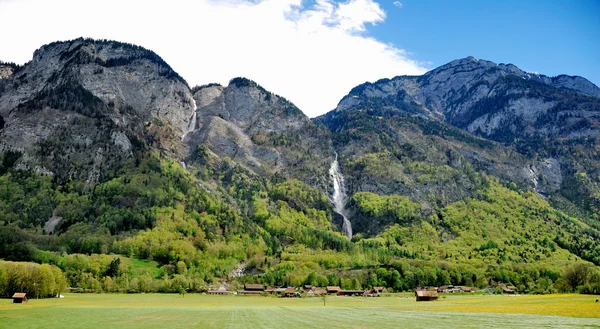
192 125
339 196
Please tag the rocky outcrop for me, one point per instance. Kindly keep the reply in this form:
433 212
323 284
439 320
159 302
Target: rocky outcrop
260 131
79 106
5 71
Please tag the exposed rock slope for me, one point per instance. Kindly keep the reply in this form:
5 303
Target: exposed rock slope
80 106
496 101
261 131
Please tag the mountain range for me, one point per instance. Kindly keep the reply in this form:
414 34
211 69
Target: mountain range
471 173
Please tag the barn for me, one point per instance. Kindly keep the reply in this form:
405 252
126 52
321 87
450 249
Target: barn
252 289
19 298
351 292
333 290
425 295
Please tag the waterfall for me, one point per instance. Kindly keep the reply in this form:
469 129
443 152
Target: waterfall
192 125
339 195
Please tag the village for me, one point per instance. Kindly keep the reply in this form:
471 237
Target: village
421 293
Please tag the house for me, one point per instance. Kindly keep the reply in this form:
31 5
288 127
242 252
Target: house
278 291
333 290
467 289
308 287
508 289
291 292
426 295
19 298
218 292
378 289
254 287
351 292
447 289
316 292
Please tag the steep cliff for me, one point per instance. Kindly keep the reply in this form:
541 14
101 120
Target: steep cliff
81 107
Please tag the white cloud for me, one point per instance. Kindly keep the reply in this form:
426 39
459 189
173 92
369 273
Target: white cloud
311 55
398 4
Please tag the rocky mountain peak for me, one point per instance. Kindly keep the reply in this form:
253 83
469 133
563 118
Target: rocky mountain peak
89 100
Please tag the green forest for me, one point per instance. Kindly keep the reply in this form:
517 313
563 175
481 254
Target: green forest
156 227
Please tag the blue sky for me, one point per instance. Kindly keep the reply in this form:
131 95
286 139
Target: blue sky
549 37
313 52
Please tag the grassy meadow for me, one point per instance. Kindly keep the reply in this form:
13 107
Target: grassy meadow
201 311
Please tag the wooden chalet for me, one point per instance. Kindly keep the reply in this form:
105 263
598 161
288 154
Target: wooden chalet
371 293
378 289
467 289
219 292
19 298
254 287
508 289
351 293
333 290
426 295
318 291
278 291
291 292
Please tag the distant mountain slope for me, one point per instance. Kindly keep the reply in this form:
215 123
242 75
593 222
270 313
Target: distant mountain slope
499 102
553 122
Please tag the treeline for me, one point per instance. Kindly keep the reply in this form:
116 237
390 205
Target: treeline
37 281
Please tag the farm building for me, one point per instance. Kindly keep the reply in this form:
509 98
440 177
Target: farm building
371 293
218 292
508 289
333 290
278 291
254 287
19 298
426 295
291 292
351 292
378 289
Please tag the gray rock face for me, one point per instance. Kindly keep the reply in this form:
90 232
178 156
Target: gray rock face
550 176
5 71
261 131
83 101
497 101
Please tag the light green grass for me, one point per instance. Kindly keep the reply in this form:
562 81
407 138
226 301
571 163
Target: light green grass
198 311
136 264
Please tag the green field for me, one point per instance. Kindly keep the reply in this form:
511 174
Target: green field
200 311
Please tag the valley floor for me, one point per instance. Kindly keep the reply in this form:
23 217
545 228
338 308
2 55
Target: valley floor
201 311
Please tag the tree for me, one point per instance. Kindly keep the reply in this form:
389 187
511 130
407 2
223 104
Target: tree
179 284
577 275
114 269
